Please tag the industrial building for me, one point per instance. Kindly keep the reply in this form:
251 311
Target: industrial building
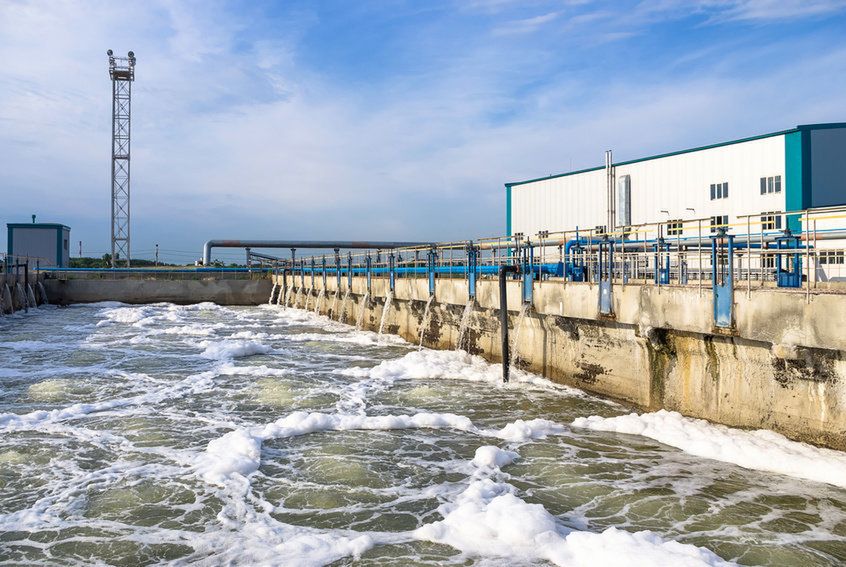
44 244
764 175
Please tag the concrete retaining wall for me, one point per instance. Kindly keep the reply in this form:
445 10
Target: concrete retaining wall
220 291
782 368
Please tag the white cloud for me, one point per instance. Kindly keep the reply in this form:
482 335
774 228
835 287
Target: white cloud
237 138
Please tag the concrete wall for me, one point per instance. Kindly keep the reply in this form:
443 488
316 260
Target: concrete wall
782 368
137 290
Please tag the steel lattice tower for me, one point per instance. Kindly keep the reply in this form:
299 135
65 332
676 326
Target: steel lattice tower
122 72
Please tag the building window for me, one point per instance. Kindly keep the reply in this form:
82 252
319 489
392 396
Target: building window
771 184
719 221
66 244
599 229
675 227
771 221
831 257
719 190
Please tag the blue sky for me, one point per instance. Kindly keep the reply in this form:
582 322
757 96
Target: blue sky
381 120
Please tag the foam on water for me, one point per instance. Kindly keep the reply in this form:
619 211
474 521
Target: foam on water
187 447
490 519
421 364
228 349
760 450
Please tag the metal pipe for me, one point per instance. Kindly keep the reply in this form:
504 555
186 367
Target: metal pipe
503 319
294 244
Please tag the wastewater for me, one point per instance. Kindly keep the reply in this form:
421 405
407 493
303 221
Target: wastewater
273 436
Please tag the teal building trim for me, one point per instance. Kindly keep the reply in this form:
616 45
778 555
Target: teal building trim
797 172
793 178
507 210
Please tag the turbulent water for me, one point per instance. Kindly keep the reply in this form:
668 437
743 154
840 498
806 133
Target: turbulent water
265 435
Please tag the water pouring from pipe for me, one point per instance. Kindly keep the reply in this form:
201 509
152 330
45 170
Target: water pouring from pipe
427 312
385 309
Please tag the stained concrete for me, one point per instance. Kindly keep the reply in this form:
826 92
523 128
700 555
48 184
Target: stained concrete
153 290
782 366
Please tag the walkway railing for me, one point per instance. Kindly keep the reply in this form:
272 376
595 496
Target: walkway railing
795 251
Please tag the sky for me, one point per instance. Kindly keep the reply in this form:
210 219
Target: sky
391 120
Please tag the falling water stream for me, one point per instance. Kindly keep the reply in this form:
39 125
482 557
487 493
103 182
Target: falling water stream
386 309
343 316
427 317
335 304
465 322
213 435
514 347
360 320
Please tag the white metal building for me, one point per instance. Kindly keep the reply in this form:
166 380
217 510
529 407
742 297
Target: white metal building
764 175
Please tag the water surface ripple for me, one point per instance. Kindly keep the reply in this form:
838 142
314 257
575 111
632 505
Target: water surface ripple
264 435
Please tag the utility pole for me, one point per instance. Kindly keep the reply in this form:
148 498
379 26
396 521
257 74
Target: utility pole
80 249
122 73
157 255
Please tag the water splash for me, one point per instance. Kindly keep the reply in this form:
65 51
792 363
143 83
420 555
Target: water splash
308 298
360 321
272 293
332 312
514 347
385 310
20 296
427 312
343 316
465 322
8 304
297 297
318 301
43 292
30 296
288 295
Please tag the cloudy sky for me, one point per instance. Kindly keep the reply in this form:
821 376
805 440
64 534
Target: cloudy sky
381 120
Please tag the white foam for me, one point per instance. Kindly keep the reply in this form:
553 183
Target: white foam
521 430
428 364
489 519
124 314
228 349
238 452
488 456
760 450
364 338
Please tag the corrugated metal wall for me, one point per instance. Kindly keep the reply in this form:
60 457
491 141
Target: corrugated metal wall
671 183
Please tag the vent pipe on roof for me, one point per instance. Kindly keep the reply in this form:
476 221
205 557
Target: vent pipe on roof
609 177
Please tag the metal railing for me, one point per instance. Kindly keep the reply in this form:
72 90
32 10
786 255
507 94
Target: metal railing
796 250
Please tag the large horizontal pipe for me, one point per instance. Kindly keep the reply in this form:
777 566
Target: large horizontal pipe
313 244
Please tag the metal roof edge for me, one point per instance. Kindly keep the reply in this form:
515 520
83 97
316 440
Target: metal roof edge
36 225
820 126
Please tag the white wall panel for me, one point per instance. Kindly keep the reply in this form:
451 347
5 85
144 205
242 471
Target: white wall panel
670 183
